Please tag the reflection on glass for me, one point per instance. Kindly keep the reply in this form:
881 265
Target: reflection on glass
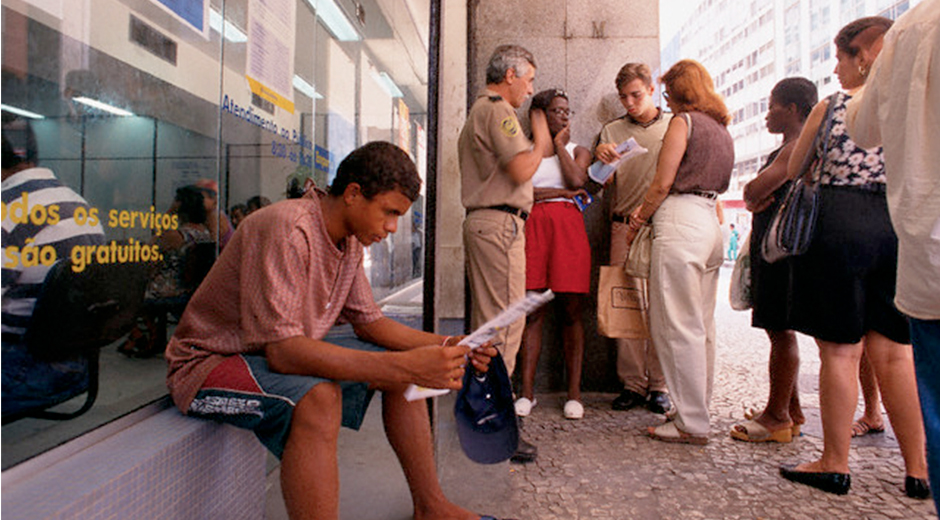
134 124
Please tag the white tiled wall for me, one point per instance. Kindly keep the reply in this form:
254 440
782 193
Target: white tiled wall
164 466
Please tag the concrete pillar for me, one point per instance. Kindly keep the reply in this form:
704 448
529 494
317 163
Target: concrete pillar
449 254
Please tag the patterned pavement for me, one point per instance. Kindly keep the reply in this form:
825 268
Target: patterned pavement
604 466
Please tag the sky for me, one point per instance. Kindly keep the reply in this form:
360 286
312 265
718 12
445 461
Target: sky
672 14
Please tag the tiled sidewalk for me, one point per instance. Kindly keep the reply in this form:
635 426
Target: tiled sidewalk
605 466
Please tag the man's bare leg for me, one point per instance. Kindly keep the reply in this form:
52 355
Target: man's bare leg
309 468
408 428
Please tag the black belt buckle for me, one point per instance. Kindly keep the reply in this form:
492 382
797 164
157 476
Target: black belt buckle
620 218
511 210
707 194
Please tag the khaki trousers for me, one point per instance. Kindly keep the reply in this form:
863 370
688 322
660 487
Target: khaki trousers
495 246
638 365
686 257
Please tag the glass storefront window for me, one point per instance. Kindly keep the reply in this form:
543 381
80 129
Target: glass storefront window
134 105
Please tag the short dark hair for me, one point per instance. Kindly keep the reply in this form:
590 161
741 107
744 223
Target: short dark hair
797 91
507 57
865 30
192 207
257 202
632 71
545 98
378 167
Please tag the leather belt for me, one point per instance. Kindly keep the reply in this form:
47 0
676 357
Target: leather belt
707 194
507 209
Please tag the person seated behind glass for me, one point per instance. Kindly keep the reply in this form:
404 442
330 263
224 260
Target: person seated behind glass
218 222
174 280
29 383
257 202
237 213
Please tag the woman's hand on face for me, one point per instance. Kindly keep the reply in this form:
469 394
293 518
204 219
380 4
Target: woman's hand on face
607 153
562 138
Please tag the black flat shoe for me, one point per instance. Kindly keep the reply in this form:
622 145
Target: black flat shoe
916 488
659 402
836 483
525 452
626 400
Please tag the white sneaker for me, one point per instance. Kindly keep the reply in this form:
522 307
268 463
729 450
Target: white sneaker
574 410
524 406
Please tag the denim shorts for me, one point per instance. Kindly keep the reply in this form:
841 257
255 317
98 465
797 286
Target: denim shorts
244 392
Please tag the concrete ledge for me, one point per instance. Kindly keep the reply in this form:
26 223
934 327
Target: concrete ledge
159 464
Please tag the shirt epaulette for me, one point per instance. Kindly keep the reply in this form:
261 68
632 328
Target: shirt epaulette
496 98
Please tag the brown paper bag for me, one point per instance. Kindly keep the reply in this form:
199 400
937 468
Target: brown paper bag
621 305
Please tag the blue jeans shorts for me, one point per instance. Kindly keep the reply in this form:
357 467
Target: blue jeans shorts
244 392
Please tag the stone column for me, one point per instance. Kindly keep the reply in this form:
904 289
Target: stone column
449 254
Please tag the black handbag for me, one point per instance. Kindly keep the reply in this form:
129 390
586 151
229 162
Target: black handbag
791 230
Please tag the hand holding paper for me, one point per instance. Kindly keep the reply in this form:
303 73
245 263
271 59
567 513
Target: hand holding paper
488 331
599 172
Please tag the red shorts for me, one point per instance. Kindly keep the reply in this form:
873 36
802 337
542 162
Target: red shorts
557 252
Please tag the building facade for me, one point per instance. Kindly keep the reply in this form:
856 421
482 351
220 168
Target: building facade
749 46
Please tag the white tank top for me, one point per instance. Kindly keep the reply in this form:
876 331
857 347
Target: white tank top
549 174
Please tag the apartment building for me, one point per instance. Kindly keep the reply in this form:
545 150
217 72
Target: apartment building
750 45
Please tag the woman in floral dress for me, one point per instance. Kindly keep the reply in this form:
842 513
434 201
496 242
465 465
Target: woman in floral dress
842 291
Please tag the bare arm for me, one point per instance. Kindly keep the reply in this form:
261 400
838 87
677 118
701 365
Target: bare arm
394 335
758 194
803 144
433 366
414 357
523 165
573 169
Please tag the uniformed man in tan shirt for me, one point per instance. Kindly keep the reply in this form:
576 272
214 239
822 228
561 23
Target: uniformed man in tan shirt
497 162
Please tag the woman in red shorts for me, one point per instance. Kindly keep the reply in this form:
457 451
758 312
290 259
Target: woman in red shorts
558 256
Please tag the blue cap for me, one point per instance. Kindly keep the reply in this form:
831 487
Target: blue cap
485 415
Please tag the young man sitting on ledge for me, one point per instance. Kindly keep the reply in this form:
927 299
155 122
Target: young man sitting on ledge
250 350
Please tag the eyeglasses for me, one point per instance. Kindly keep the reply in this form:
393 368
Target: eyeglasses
562 112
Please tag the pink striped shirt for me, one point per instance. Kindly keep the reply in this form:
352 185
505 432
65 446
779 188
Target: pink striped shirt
280 276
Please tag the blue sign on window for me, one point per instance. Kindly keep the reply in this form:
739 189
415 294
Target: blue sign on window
192 11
